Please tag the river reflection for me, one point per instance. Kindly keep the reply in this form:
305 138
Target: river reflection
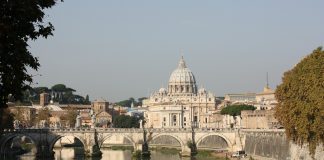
107 154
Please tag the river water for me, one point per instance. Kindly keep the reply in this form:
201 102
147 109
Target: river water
66 153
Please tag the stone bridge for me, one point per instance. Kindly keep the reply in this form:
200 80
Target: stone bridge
93 139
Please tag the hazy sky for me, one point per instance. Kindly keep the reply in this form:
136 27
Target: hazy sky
120 49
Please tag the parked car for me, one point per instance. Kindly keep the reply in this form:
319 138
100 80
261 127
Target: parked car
240 154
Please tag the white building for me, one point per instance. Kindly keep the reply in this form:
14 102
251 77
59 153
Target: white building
181 105
266 100
241 98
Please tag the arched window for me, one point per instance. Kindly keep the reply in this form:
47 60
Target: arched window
174 118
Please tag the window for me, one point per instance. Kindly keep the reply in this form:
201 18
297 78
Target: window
174 118
164 119
209 99
184 118
185 124
195 119
205 120
184 108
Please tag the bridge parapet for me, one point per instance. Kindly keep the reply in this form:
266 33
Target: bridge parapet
206 130
139 130
263 130
25 130
280 132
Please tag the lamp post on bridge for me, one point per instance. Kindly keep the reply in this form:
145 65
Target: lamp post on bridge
193 147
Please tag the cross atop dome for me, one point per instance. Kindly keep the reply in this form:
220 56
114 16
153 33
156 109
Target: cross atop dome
182 63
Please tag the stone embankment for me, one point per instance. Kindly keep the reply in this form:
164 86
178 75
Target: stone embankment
274 145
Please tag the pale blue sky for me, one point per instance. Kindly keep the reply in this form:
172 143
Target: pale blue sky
120 49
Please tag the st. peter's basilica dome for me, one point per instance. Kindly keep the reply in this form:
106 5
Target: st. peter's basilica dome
182 82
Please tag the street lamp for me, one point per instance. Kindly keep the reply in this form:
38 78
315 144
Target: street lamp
193 147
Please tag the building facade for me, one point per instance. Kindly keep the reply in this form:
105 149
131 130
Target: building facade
100 105
182 104
266 100
241 98
259 119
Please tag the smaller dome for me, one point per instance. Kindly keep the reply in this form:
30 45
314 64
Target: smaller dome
202 90
162 90
54 107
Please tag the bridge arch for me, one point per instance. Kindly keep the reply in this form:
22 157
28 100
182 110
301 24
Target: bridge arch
107 137
4 141
178 139
222 141
57 137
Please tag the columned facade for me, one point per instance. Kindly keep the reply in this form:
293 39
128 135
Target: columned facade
182 105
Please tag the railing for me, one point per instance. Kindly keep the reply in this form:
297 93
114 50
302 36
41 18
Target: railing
263 130
140 130
119 130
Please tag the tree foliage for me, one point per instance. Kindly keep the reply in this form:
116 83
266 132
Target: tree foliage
20 21
301 101
235 110
6 121
70 116
126 121
128 102
61 94
43 115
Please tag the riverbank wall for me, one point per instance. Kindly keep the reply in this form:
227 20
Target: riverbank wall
274 145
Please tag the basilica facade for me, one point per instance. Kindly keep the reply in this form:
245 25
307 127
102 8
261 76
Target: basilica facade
182 104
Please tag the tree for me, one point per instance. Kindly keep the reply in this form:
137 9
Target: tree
126 121
70 116
87 100
300 98
20 22
140 101
59 88
43 114
126 103
6 121
235 110
62 94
